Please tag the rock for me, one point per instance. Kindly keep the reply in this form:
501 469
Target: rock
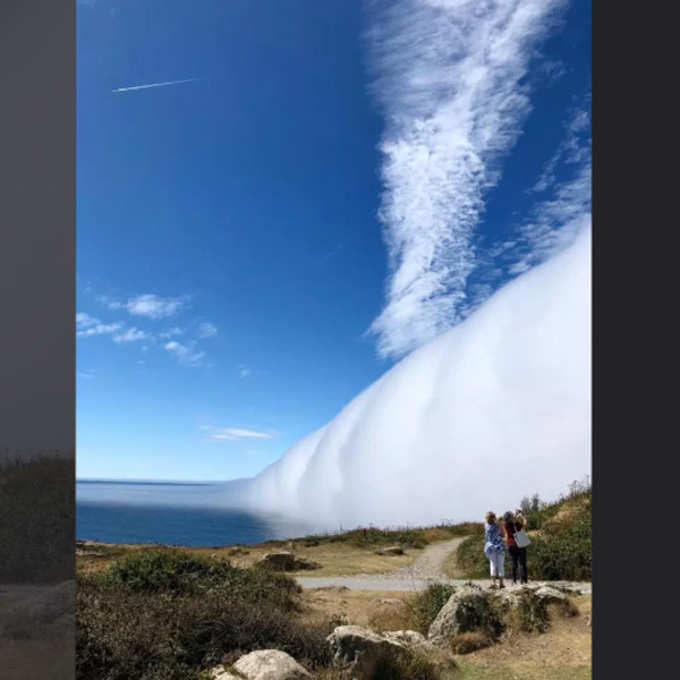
550 595
269 664
467 609
391 550
407 638
280 561
285 561
311 543
521 607
303 564
360 651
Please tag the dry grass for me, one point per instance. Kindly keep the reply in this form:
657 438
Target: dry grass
562 653
377 609
338 559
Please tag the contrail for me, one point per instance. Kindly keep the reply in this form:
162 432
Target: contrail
148 85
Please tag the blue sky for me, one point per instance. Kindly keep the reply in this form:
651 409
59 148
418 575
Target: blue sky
323 194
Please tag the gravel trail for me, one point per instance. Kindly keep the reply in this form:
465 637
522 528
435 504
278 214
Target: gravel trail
426 569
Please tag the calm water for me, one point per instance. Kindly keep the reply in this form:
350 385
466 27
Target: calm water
192 514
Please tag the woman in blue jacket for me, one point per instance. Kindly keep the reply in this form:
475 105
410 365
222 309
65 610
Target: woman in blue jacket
494 549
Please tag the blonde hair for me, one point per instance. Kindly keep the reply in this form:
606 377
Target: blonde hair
490 517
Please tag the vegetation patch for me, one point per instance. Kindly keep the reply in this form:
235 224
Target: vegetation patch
167 614
465 643
428 603
407 537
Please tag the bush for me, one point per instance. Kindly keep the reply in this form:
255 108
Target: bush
176 571
470 557
427 604
37 530
168 614
464 643
564 551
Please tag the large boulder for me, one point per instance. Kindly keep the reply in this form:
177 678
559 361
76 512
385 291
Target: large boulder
360 651
468 609
264 664
301 564
279 561
551 595
286 561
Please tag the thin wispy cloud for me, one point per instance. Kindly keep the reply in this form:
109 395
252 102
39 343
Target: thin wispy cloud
171 332
149 305
84 320
99 329
147 86
554 224
131 335
448 76
186 354
207 330
574 149
244 372
236 433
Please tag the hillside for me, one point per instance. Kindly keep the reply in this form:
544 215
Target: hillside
147 612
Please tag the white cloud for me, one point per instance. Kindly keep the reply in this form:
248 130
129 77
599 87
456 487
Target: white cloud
100 329
244 372
448 76
84 320
131 335
185 354
171 332
207 330
486 413
235 433
154 306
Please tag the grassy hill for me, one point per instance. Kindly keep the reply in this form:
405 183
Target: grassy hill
561 535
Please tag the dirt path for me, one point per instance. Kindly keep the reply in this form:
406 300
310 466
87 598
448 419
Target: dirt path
426 569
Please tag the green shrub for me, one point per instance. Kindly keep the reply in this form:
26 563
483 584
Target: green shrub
168 614
564 550
427 604
176 571
470 557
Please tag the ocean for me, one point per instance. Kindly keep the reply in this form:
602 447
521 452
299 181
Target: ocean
193 514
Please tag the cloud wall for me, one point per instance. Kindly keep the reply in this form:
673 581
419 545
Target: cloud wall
492 410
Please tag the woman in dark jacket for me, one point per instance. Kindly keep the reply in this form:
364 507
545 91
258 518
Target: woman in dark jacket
512 524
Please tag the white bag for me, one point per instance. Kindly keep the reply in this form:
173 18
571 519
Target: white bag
521 539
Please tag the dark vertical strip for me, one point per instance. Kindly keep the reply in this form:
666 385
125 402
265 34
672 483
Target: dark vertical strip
37 338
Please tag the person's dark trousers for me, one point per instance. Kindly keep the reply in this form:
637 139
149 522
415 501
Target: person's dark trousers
518 555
